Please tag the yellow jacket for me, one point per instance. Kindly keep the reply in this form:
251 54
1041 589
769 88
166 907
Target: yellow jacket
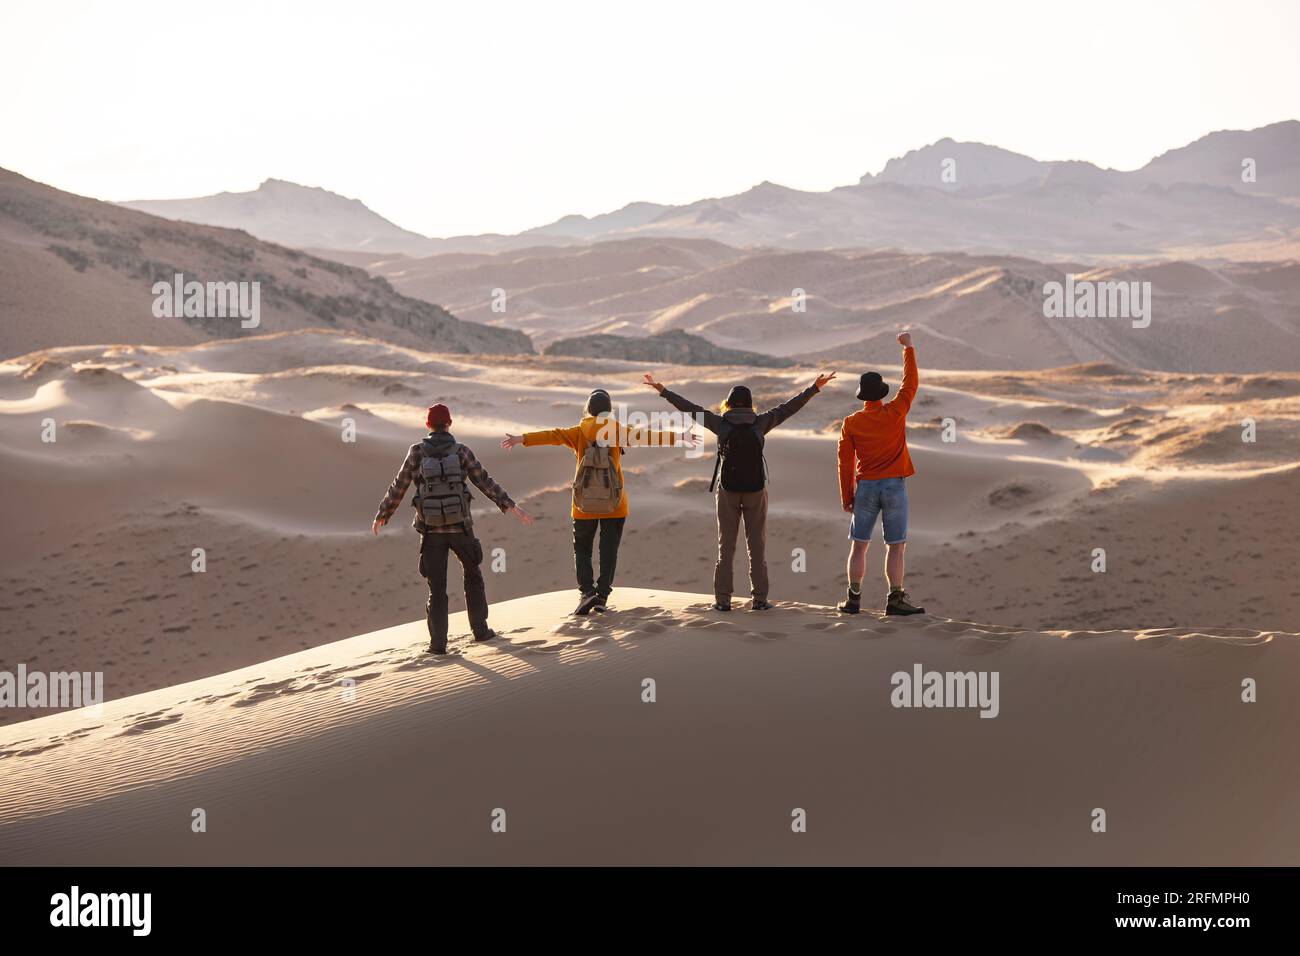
615 434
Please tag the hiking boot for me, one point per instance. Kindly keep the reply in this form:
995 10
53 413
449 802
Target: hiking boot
602 604
588 602
435 649
760 604
486 636
720 606
852 604
897 603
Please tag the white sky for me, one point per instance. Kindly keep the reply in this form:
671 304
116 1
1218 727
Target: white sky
476 116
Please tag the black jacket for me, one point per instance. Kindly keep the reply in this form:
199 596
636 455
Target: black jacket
721 425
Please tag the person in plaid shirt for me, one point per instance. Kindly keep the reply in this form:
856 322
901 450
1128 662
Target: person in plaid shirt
457 539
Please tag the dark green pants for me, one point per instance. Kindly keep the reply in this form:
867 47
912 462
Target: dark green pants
584 536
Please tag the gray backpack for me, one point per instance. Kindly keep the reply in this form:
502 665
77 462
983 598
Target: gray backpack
443 496
596 488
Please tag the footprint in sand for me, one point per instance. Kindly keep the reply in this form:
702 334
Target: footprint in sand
30 751
144 726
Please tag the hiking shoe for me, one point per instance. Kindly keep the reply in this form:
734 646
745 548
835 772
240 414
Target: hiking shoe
602 604
897 603
852 604
435 649
487 636
588 602
760 604
720 606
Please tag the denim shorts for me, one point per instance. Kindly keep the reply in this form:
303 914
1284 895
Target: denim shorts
886 497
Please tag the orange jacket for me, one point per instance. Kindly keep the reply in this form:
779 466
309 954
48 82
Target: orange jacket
585 433
876 437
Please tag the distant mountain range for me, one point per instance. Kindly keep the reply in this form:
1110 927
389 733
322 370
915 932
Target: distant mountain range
1188 202
77 271
291 215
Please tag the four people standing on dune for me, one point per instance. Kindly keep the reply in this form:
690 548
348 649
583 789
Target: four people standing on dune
873 466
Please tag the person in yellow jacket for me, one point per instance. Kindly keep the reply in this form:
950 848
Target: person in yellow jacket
599 495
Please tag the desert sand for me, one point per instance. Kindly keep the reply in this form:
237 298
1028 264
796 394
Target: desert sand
1119 690
755 717
236 447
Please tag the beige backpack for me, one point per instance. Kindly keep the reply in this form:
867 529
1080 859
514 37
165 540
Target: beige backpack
596 487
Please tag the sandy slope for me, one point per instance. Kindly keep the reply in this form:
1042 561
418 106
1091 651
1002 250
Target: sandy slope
76 270
755 715
235 447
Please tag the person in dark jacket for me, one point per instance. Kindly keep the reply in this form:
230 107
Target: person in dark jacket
439 539
742 493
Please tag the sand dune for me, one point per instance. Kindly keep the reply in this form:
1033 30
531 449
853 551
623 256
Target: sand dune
426 750
977 312
236 447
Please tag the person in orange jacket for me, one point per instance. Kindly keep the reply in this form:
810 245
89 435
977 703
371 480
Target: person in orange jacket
599 495
873 466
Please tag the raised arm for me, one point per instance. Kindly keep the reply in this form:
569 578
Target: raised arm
907 391
775 416
710 420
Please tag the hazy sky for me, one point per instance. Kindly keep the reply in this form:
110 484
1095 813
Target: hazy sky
476 116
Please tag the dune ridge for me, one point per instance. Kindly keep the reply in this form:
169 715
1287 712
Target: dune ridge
549 724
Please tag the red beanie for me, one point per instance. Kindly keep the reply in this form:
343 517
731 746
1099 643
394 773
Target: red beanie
439 414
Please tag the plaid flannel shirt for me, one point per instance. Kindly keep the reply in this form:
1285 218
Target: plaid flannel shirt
473 469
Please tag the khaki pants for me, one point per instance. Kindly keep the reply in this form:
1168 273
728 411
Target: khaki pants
733 506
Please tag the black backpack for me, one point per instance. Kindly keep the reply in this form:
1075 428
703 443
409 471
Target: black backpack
740 459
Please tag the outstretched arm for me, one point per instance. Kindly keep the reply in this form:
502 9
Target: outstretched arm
396 491
632 436
549 436
775 416
907 391
710 420
476 473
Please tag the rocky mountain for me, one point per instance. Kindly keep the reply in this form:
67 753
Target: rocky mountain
78 271
969 197
292 215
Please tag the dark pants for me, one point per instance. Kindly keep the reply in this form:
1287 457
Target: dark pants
433 565
734 507
584 536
